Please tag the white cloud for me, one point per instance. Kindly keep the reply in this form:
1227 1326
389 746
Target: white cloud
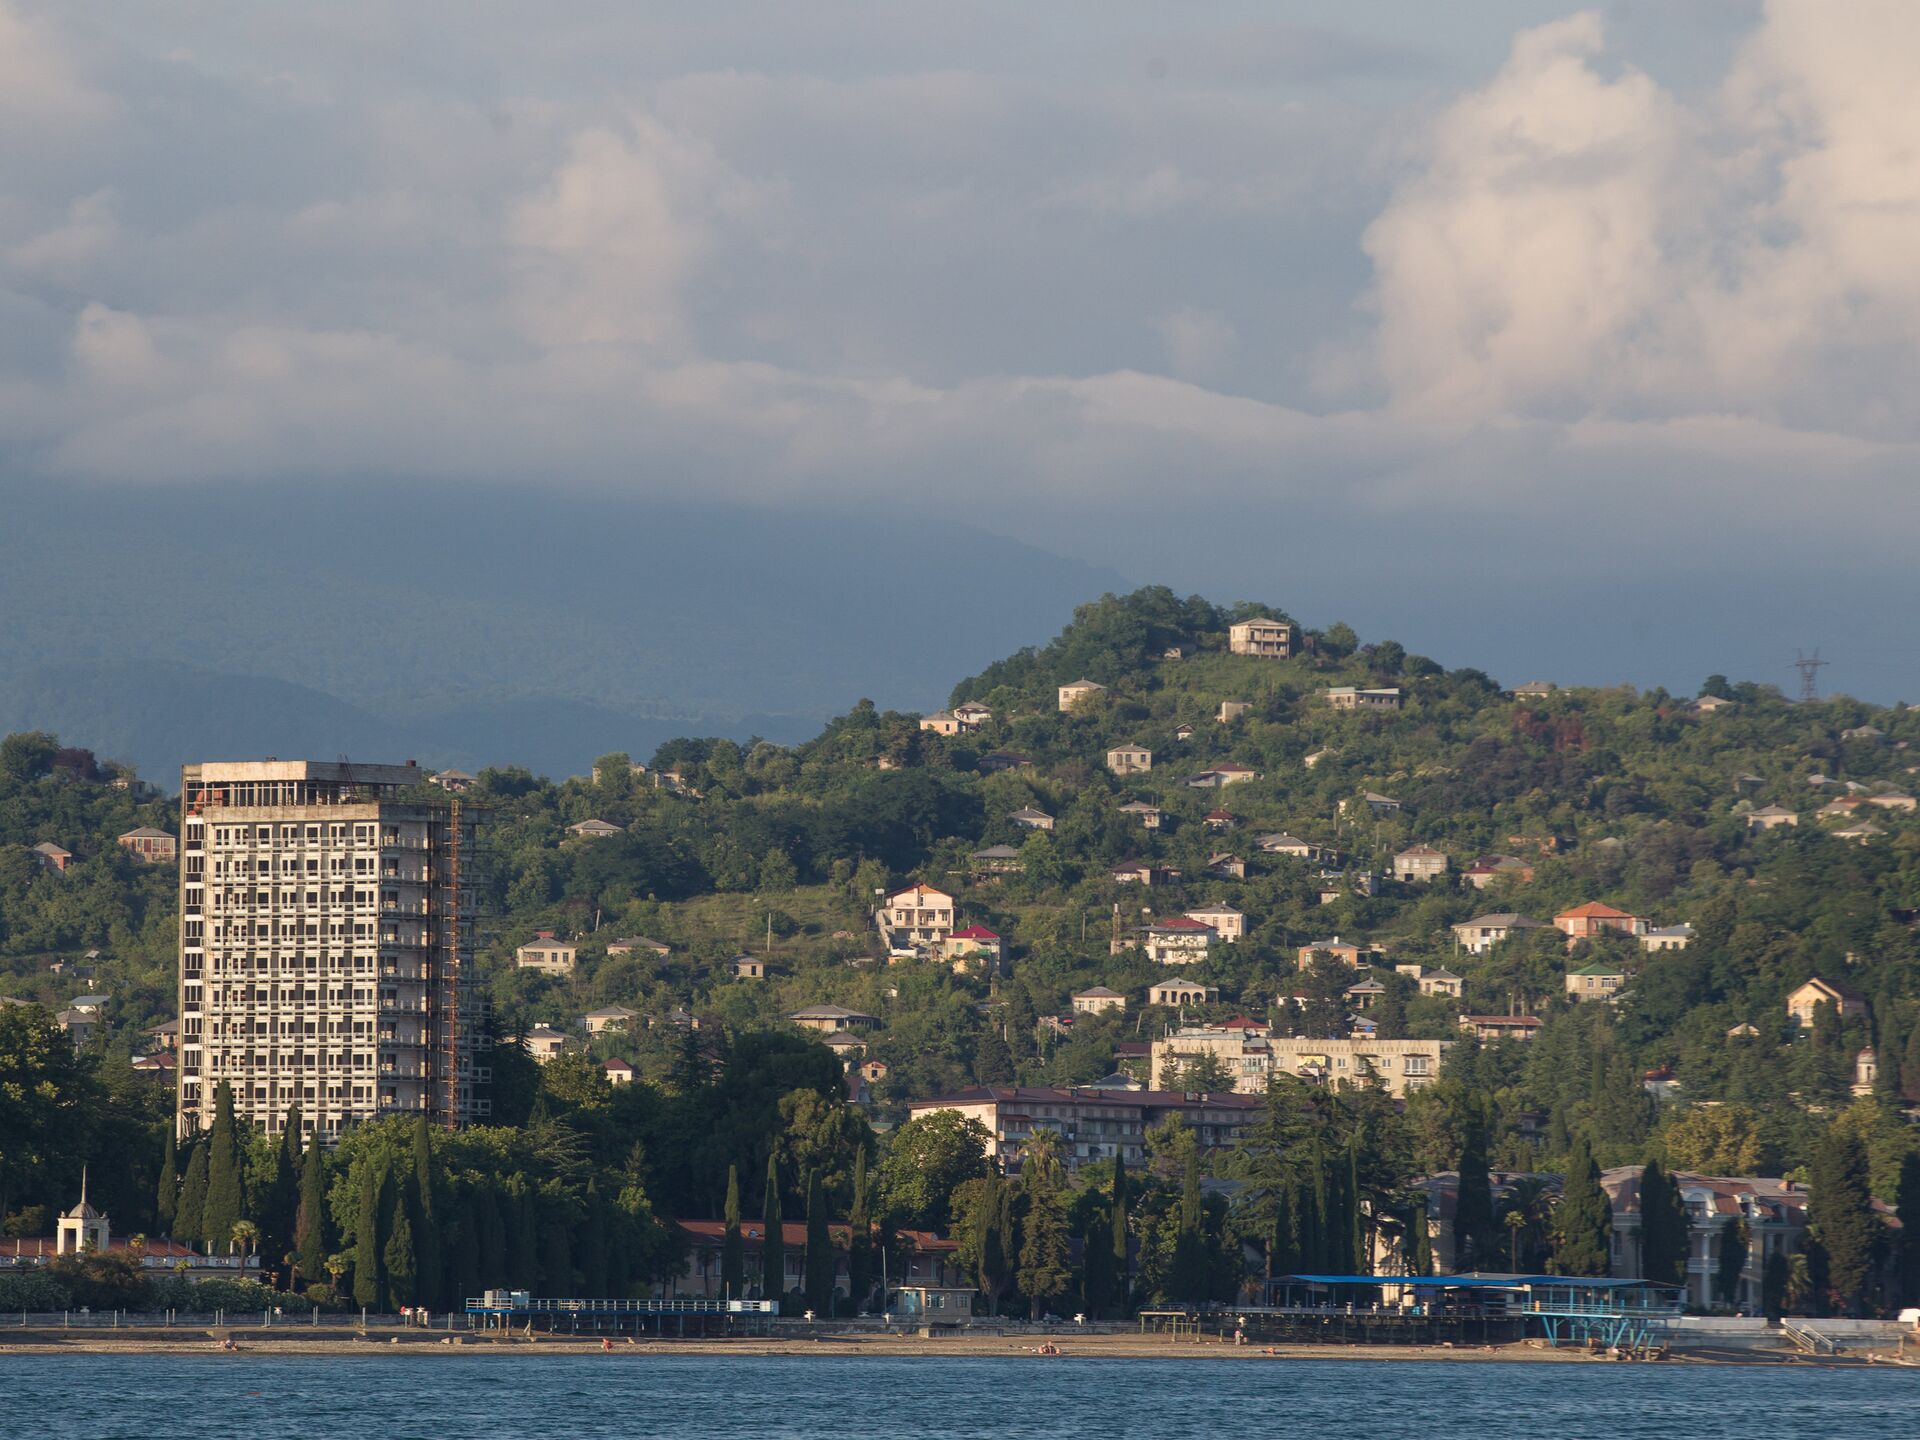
1580 242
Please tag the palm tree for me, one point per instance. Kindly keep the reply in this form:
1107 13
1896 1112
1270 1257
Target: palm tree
245 1236
337 1265
1516 1222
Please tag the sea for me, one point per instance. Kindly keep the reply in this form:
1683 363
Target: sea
556 1397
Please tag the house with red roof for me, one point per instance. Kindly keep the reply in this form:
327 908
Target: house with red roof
1178 940
1585 922
974 945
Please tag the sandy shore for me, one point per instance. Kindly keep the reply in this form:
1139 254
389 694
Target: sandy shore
862 1346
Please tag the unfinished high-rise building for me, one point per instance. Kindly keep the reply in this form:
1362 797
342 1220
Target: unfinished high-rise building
326 946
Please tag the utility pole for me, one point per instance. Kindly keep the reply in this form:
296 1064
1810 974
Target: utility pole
1809 668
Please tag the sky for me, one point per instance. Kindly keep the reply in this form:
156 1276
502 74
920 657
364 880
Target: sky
1569 343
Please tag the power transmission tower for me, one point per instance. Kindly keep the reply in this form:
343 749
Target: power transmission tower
1809 668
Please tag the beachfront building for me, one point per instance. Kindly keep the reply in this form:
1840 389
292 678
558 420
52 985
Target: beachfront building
326 945
1092 1122
1773 1211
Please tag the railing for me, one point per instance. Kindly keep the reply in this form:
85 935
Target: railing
1809 1339
480 1305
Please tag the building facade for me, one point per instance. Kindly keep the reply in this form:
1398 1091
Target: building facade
1269 639
326 947
1092 1122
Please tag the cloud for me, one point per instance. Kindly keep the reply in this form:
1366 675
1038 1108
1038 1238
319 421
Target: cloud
1580 242
41 86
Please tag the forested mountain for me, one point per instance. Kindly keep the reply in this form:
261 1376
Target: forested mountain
1640 801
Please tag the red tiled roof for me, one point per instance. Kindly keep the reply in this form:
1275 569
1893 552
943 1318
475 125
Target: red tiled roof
1593 910
974 932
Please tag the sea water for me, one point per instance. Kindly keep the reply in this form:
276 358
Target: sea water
558 1396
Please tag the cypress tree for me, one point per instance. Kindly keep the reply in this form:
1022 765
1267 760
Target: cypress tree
1361 1262
1313 1213
1283 1253
1663 1228
1731 1263
521 1215
1189 1272
226 1203
280 1196
773 1248
193 1198
988 1242
1840 1218
166 1200
1420 1251
1473 1242
556 1257
398 1257
460 1242
312 1230
818 1264
1583 1220
1046 1271
1910 1067
489 1235
860 1236
367 1290
1906 1275
429 1285
591 1254
733 1254
1773 1285
1122 1256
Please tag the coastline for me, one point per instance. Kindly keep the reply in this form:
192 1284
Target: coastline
273 1343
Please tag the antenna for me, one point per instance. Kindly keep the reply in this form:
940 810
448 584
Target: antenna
1809 668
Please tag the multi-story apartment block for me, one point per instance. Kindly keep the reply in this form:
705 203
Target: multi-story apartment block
1091 1122
1250 1054
326 947
1269 639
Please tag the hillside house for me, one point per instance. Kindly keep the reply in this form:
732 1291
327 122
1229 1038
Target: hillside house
1667 937
1376 802
1419 865
1028 818
918 915
1489 868
1220 821
1353 956
610 1017
974 945
971 714
454 782
1847 1002
829 1019
1441 982
998 860
1129 760
997 761
1229 711
639 945
1710 705
747 967
1595 982
1227 865
53 857
1226 921
1147 813
1182 732
1862 833
1098 1001
1177 940
150 846
547 955
1488 1028
593 829
1895 800
1480 934
617 1071
1218 777
1872 734
1139 872
543 1042
1840 808
844 1043
941 722
1285 844
1349 697
1267 639
1172 993
1585 922
1769 817
1362 994
1077 692
1533 690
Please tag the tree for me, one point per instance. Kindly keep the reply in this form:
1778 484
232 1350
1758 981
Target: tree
773 1250
226 1200
860 1237
279 1197
1843 1232
1420 1245
1473 1227
1774 1279
925 1161
1664 1242
398 1257
28 755
1583 1220
1122 1257
1045 1271
312 1234
1730 1264
428 1227
1906 1274
818 1265
166 1200
193 1197
1188 1277
1715 1140
733 1254
368 1292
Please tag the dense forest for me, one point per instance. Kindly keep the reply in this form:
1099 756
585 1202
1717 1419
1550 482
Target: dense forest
1639 800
